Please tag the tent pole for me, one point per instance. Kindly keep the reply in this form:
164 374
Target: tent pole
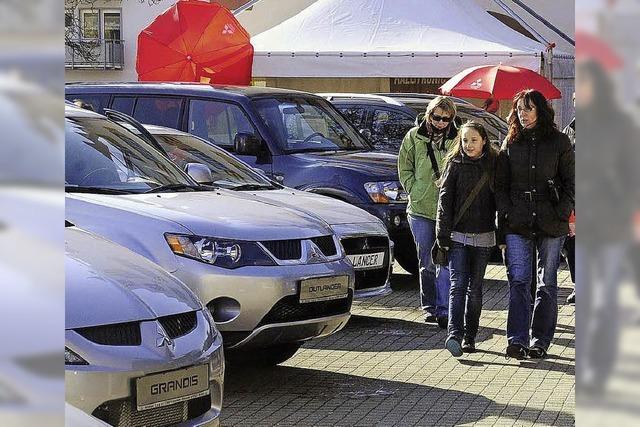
521 21
545 22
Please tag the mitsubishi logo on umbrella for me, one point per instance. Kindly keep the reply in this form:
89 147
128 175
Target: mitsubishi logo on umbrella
162 339
476 84
228 29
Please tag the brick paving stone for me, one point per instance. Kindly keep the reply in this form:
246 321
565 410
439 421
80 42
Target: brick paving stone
389 368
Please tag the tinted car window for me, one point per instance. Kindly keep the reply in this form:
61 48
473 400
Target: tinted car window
389 127
307 124
218 122
123 104
158 111
99 153
97 101
226 170
355 115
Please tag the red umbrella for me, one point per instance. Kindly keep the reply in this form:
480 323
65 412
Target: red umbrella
195 41
497 82
590 47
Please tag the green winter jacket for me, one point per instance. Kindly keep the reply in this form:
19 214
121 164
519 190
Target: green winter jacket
416 174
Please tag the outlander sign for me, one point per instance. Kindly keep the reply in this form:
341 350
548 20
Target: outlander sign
417 85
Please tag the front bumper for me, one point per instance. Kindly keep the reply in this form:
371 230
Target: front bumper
368 238
280 333
241 299
106 387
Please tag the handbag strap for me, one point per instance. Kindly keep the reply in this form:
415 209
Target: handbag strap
432 157
470 198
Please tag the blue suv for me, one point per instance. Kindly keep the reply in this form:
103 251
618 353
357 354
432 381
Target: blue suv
296 138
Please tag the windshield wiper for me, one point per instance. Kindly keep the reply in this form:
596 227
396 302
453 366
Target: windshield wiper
249 187
96 190
174 187
311 149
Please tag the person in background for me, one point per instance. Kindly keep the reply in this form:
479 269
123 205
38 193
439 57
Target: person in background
610 155
491 105
465 226
419 165
535 187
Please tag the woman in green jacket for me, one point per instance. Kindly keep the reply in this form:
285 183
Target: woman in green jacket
420 164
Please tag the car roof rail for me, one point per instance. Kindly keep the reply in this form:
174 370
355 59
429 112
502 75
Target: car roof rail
415 95
362 96
118 117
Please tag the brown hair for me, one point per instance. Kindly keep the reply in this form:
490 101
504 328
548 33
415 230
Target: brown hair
544 122
456 147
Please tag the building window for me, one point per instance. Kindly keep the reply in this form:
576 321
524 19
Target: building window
90 24
100 24
112 25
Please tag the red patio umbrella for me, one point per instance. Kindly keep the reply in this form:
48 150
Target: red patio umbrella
195 41
497 82
590 47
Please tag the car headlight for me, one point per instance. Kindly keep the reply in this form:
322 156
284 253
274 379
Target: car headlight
219 252
386 192
71 358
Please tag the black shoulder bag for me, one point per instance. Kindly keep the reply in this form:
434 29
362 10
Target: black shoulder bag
440 256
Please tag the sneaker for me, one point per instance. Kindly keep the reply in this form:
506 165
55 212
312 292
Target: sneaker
516 351
443 322
536 352
571 299
469 345
430 318
453 345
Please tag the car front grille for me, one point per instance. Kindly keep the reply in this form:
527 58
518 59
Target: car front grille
289 309
123 413
116 334
367 279
179 324
284 249
326 245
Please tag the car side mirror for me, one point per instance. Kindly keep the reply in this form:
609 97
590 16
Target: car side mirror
199 172
366 133
246 144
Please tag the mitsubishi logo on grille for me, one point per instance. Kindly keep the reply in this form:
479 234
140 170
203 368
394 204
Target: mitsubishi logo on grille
162 339
313 254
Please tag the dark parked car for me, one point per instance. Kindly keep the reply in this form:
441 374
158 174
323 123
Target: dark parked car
385 118
298 139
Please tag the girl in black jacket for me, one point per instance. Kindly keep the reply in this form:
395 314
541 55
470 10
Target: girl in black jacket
467 232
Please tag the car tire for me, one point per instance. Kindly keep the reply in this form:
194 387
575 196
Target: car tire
407 258
269 356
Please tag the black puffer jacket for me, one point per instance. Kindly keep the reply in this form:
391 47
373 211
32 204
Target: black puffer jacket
460 178
522 190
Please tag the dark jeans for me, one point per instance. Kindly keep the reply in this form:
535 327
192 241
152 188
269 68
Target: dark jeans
434 280
519 272
467 265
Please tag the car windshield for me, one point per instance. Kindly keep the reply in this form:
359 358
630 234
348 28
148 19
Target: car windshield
103 157
226 170
301 124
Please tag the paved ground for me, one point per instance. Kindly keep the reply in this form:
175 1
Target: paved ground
389 368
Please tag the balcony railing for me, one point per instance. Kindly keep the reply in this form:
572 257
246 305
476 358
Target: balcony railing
96 54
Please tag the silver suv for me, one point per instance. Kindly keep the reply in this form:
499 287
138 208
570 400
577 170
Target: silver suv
271 276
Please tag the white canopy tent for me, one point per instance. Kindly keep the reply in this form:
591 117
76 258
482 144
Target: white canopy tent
389 38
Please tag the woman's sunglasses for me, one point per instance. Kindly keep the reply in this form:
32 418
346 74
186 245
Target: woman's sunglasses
437 118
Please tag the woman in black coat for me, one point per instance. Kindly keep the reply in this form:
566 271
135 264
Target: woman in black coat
535 187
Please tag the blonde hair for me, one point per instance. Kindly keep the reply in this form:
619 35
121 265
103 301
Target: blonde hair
443 102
